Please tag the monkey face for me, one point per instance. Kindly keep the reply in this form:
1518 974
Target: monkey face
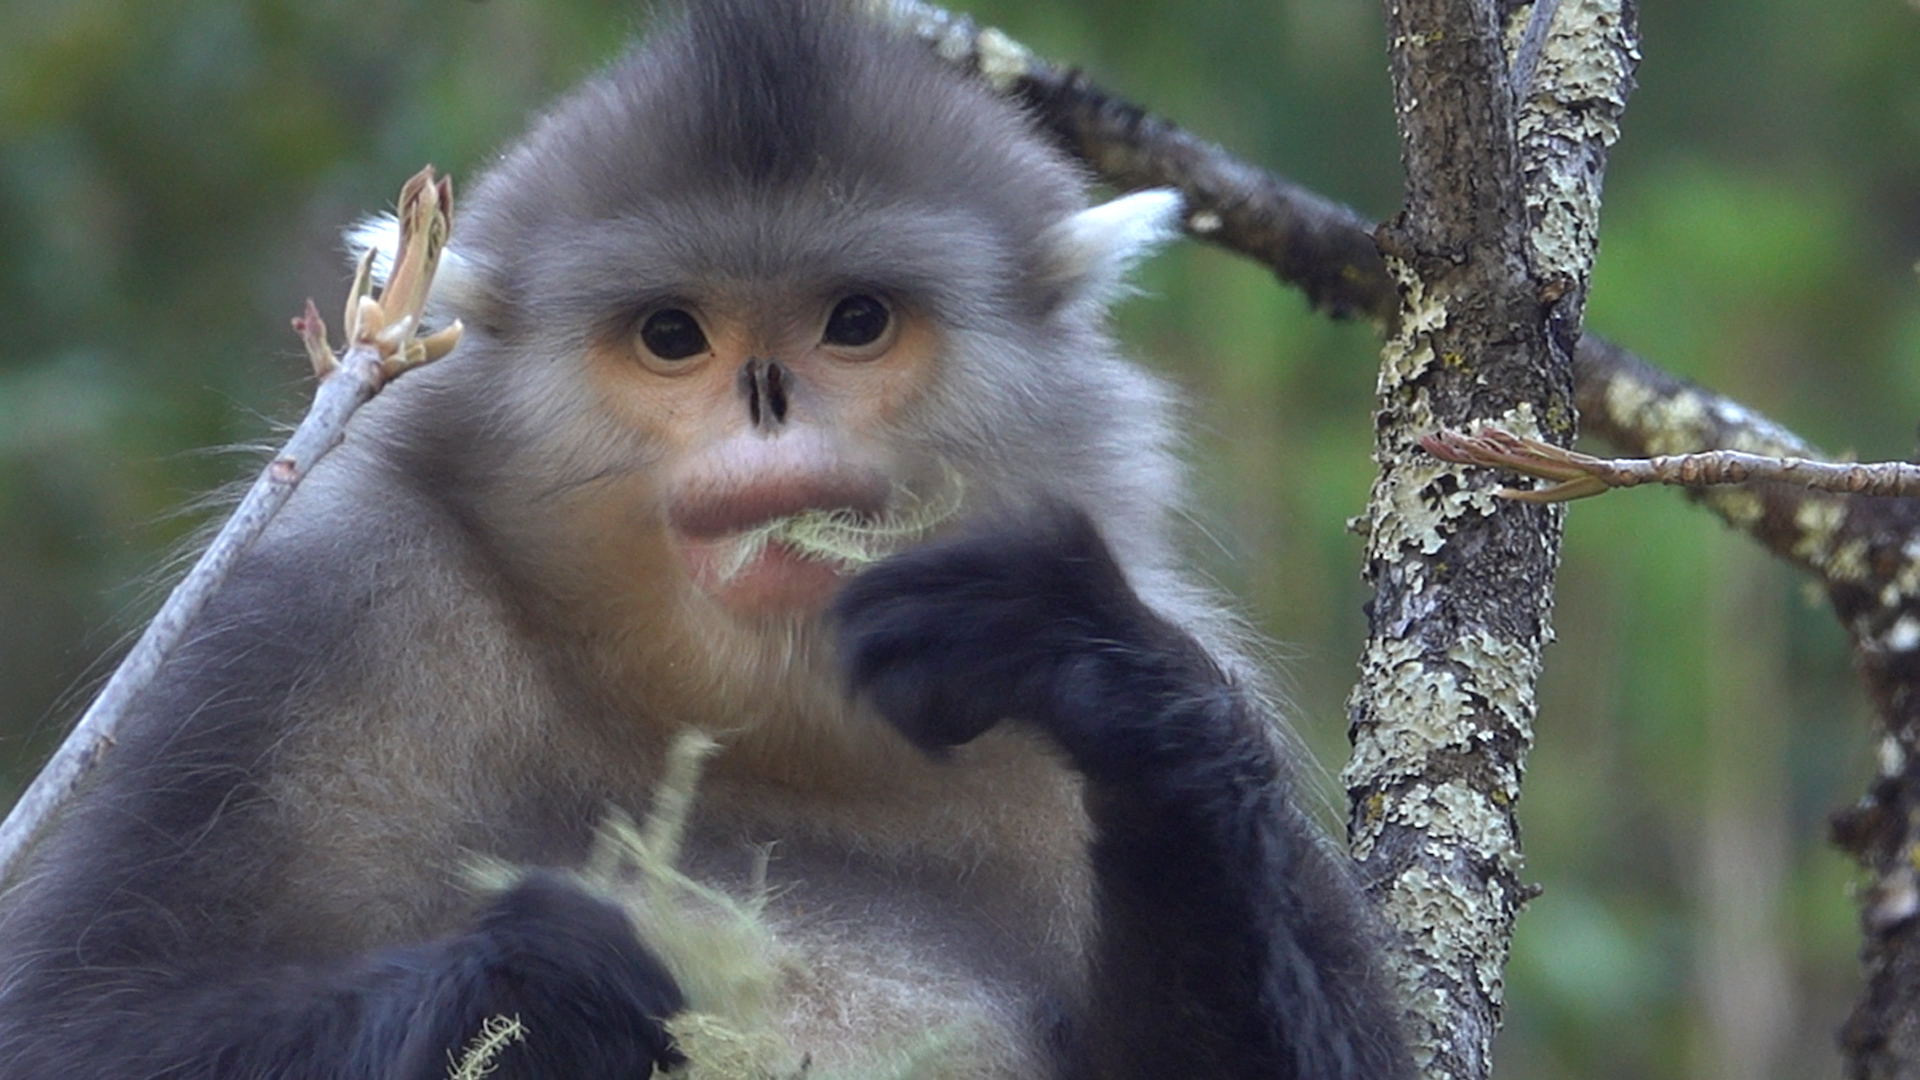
691 321
769 406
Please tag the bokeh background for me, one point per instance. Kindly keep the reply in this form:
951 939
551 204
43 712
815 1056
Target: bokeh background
174 174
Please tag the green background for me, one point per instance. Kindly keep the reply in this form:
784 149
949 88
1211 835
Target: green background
174 174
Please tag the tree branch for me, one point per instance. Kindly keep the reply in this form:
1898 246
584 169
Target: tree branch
1864 551
381 344
1492 252
1312 243
1580 476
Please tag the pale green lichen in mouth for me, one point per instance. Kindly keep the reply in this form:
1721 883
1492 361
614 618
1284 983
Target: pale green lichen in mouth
844 538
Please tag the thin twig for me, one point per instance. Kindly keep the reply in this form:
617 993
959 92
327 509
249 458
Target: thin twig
381 344
1578 476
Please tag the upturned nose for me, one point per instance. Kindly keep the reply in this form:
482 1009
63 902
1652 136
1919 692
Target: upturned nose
766 385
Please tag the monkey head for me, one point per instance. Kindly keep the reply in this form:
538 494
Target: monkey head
695 317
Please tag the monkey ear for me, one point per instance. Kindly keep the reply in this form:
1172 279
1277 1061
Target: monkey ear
459 285
1094 249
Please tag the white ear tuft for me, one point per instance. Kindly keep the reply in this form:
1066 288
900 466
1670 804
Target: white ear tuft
456 284
1097 246
381 233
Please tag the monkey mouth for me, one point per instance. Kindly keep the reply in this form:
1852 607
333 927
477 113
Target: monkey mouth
794 561
748 574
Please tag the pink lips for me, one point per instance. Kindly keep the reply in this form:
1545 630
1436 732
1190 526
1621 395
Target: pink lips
778 579
748 480
708 526
725 511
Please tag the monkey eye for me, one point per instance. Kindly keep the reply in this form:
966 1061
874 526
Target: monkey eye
857 322
673 334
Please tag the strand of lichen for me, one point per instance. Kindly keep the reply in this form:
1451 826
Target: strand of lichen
664 828
481 1055
842 537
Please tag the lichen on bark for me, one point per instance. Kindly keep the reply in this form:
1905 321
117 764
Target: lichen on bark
1491 254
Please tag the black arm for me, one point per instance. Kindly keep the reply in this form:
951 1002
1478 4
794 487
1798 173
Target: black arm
1231 943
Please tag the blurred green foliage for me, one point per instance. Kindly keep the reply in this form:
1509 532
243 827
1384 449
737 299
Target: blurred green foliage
174 173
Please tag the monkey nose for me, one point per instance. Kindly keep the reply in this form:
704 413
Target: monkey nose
765 385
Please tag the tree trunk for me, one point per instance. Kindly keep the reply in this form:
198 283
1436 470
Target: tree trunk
1491 253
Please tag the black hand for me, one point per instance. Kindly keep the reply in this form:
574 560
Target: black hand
569 967
1031 620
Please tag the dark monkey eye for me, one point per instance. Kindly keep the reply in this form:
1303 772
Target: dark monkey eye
856 321
672 334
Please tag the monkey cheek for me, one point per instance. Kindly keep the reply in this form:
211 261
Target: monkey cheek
775 581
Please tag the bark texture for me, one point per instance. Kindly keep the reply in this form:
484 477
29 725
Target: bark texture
1492 254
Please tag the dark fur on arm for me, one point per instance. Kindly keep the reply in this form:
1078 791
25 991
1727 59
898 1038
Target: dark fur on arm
1231 944
563 963
135 945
